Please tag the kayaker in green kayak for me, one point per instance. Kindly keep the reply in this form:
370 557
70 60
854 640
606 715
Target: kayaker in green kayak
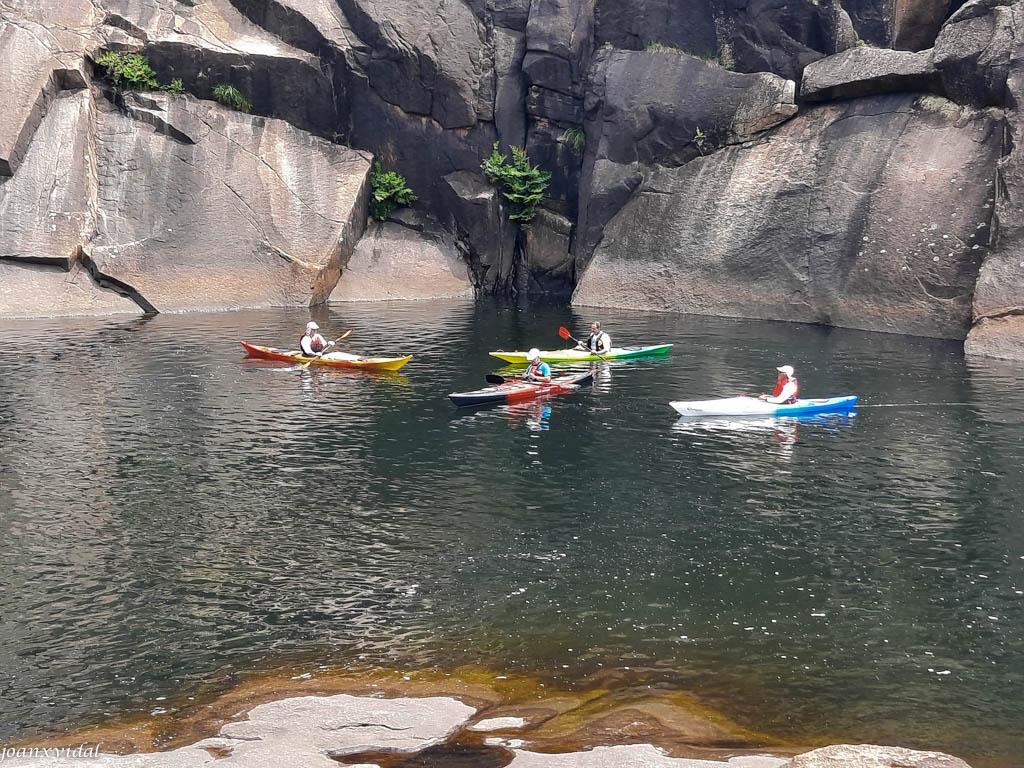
537 370
598 341
786 387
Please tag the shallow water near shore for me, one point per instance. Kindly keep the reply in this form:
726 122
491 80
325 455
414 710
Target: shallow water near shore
173 515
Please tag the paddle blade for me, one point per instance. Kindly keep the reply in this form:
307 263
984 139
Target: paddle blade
564 332
493 378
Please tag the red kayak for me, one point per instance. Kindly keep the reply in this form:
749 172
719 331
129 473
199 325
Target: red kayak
517 389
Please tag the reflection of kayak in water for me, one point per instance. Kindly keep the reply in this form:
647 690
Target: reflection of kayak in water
763 424
512 391
751 406
582 355
330 360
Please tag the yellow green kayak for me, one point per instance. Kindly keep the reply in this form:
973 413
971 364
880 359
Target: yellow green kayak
582 355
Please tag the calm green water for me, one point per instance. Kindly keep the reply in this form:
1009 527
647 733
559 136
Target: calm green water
170 512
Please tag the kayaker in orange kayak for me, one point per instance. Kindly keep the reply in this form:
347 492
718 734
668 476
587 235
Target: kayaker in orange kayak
538 370
786 387
312 343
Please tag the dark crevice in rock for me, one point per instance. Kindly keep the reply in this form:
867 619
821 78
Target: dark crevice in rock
150 116
345 726
118 287
1008 312
59 262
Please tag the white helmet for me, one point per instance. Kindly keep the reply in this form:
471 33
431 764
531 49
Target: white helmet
533 354
311 326
786 369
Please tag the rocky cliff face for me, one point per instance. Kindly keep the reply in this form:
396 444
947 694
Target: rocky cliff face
852 162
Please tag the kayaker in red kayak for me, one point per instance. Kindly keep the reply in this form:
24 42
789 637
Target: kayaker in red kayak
538 370
786 387
312 343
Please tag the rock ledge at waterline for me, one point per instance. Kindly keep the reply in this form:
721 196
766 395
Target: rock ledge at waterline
310 730
757 161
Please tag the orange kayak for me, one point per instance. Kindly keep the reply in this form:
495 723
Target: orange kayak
330 360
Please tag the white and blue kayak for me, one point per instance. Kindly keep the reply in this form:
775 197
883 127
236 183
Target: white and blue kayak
751 406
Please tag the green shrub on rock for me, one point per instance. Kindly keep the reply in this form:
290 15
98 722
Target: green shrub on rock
521 182
231 97
130 71
389 192
576 138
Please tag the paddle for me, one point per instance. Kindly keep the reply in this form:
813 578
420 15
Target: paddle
320 354
564 333
493 378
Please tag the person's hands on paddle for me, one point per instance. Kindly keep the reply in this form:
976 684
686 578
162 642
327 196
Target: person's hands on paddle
564 333
325 350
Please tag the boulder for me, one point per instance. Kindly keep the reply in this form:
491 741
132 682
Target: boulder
395 262
974 50
916 23
861 214
1001 337
547 263
871 756
559 41
864 71
552 105
480 217
872 19
779 36
908 25
549 147
647 106
222 210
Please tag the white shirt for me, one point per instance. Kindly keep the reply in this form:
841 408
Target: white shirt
788 390
307 344
603 343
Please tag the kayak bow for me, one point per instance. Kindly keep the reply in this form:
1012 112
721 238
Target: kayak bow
751 406
330 359
517 389
582 355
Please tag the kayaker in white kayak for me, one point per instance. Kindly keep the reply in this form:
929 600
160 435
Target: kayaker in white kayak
786 387
312 343
538 370
598 341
